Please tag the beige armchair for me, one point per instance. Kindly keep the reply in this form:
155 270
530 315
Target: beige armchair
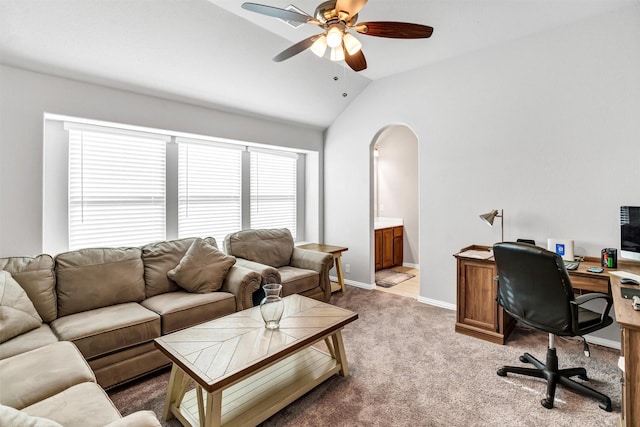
272 253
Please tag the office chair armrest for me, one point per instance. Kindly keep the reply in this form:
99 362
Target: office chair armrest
595 295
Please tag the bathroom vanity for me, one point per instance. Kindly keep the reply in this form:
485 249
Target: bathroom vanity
389 236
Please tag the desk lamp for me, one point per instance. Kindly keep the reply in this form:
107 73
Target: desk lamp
489 217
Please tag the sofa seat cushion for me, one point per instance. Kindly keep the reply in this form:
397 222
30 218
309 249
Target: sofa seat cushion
137 419
107 329
61 366
17 313
37 278
81 405
33 339
182 309
296 280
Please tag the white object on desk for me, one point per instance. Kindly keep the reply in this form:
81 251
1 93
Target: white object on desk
472 253
562 247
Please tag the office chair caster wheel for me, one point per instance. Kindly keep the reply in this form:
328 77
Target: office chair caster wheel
501 372
605 405
546 403
524 359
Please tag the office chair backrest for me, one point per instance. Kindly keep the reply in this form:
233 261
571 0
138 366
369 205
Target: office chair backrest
534 287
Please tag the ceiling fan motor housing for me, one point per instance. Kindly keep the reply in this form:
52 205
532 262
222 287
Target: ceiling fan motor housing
326 12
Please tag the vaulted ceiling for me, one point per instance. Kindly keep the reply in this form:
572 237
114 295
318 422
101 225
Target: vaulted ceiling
214 53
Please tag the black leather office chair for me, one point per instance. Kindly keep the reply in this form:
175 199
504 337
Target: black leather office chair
534 288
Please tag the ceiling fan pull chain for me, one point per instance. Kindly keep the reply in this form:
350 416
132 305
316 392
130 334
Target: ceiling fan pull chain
344 78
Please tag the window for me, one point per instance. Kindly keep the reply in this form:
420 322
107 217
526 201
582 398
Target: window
116 194
110 185
273 190
209 189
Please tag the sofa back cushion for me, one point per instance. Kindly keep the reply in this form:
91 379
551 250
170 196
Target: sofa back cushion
93 278
159 258
38 280
267 246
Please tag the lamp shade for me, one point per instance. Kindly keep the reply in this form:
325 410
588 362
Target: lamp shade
337 54
319 46
334 37
490 216
351 43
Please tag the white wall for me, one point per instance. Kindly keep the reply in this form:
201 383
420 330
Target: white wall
26 96
545 127
397 179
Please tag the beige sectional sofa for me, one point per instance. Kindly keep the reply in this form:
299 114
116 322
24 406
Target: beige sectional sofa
99 310
113 302
273 254
59 389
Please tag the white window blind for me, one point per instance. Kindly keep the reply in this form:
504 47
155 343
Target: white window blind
209 189
273 190
116 187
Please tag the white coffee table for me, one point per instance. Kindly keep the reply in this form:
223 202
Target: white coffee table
244 373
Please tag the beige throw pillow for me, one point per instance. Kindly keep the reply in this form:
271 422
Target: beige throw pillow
17 313
202 269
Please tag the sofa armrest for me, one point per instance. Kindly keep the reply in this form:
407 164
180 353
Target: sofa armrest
242 282
269 274
317 261
137 419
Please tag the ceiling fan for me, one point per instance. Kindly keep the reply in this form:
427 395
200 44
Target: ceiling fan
337 18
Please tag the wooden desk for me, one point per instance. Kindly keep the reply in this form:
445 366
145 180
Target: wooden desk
629 321
336 252
479 315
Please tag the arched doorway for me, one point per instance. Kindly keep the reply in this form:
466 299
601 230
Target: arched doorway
395 198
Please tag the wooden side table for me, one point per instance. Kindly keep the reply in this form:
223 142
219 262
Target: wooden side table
336 252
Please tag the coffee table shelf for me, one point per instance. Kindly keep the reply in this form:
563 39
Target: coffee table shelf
258 397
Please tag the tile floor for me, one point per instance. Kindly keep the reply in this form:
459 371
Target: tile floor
409 288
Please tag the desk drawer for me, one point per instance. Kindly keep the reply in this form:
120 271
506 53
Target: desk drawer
590 284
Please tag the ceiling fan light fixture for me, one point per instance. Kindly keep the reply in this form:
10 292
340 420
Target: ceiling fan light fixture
334 37
351 43
337 54
319 47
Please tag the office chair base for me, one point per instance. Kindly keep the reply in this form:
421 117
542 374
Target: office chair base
555 376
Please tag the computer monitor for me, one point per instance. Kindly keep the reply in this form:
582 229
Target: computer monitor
630 232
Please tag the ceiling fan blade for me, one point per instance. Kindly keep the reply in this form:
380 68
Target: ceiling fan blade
394 30
296 48
287 15
357 61
348 8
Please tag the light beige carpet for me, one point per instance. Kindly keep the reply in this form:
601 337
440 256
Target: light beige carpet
409 368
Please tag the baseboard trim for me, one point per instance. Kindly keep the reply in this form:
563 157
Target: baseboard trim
361 285
409 265
437 303
603 342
